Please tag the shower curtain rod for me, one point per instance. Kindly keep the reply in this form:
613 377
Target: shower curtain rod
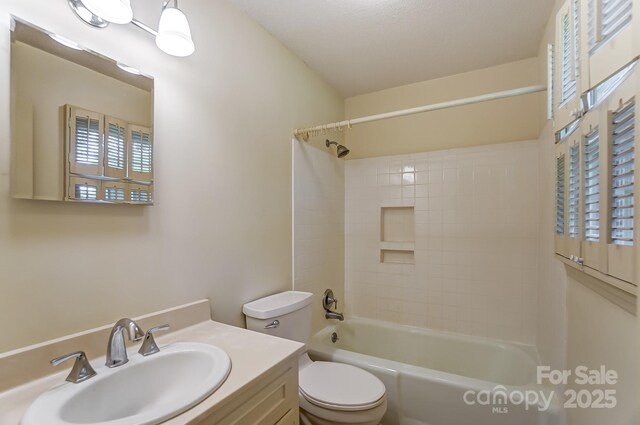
306 132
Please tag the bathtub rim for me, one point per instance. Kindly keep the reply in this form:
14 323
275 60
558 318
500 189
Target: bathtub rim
316 347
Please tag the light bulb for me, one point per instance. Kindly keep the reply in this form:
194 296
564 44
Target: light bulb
116 11
65 41
174 34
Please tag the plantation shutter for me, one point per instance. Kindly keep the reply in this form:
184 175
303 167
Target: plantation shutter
614 15
83 189
606 19
560 195
622 174
574 191
568 87
550 80
592 186
140 154
115 162
114 191
576 37
84 141
139 193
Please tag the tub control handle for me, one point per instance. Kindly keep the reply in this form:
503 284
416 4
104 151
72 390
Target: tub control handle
273 325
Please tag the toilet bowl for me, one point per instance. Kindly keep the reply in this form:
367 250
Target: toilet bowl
329 393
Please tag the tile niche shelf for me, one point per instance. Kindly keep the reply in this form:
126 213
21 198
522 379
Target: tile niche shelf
397 234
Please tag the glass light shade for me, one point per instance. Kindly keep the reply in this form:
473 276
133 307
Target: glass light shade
116 11
174 34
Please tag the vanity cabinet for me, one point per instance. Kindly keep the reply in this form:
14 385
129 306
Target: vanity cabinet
270 400
596 200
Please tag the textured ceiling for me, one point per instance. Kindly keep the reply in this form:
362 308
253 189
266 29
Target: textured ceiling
360 46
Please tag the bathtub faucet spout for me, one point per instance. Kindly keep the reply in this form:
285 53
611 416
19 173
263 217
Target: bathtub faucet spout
333 315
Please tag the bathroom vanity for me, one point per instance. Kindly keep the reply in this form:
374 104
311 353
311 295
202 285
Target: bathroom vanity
261 388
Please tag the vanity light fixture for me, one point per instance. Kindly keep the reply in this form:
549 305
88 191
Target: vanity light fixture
129 69
66 42
115 11
173 36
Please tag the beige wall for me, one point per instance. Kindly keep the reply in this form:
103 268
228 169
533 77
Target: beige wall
498 121
42 83
221 225
318 217
601 333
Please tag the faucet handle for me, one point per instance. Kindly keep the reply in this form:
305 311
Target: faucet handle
81 370
328 299
149 345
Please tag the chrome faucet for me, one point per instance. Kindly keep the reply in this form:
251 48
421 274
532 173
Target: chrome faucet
329 300
116 348
81 370
333 315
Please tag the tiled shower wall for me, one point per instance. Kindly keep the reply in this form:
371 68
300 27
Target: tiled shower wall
318 232
475 265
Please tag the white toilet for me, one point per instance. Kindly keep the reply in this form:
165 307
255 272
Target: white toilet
330 393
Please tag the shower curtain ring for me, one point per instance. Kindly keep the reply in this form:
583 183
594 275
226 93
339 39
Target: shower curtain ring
349 124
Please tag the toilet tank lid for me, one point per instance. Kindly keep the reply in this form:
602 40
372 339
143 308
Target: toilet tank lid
277 304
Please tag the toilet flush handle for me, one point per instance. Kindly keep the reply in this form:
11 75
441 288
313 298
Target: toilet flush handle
273 324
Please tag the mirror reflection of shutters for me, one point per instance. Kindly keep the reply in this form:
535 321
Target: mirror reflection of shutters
115 148
141 154
85 143
140 193
83 189
113 191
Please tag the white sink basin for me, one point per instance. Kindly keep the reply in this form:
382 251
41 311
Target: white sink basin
146 390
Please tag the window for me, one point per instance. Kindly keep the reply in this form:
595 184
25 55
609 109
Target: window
622 174
592 186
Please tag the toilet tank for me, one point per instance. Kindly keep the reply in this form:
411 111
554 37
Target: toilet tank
291 310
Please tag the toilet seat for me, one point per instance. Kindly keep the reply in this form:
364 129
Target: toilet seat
342 387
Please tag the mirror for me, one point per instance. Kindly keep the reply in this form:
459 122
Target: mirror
81 123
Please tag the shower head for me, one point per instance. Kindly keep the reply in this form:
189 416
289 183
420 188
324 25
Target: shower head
341 151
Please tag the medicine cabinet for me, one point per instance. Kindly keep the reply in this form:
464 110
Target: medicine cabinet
81 125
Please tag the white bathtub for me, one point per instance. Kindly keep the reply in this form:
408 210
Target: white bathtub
427 374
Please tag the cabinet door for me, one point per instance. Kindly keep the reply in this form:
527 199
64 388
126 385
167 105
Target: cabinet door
568 88
561 200
622 121
610 35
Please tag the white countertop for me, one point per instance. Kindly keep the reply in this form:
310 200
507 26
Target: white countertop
252 355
